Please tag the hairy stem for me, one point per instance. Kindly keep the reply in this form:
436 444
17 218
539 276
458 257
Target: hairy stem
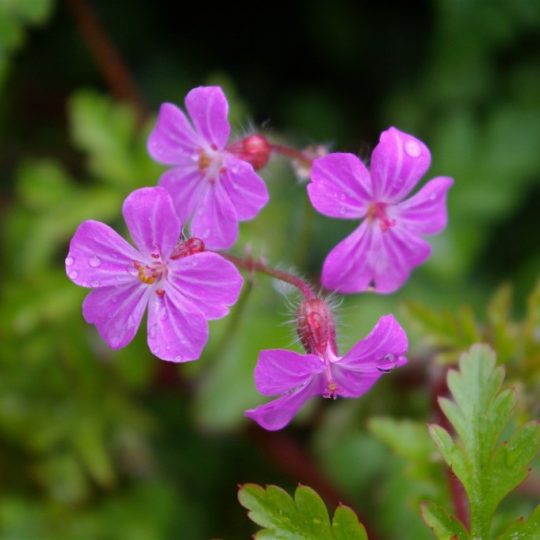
292 153
253 265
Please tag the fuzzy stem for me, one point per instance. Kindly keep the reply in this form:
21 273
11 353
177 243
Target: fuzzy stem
292 153
258 266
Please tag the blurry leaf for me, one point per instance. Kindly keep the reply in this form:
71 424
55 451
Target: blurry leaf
501 327
444 527
108 133
304 518
42 184
445 329
479 412
407 438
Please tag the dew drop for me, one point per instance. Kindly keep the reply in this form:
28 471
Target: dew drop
73 274
342 197
114 299
69 261
95 283
342 210
432 197
94 261
413 149
387 363
177 358
152 331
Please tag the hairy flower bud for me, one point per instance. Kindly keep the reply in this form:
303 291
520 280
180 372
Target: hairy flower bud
315 326
254 149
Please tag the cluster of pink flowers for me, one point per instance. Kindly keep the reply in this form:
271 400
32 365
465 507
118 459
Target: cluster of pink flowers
210 187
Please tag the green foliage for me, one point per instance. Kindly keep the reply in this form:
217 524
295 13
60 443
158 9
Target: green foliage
303 518
487 467
15 15
443 526
452 332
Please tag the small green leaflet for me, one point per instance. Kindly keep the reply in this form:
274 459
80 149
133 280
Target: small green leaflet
303 518
488 468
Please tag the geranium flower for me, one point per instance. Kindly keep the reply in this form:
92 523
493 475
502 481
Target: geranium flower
182 285
388 244
299 377
212 187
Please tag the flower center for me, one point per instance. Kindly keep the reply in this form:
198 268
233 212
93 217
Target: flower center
377 210
150 273
210 162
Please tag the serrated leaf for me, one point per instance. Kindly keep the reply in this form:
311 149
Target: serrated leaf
303 518
524 529
479 412
444 527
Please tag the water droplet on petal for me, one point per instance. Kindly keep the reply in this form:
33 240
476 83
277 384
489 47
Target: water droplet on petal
153 331
413 149
342 210
69 261
342 197
433 197
177 358
94 261
73 274
95 283
387 363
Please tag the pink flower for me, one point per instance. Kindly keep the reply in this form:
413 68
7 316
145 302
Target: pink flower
388 243
211 186
322 372
182 285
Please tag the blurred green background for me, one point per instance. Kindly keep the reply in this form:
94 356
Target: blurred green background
118 445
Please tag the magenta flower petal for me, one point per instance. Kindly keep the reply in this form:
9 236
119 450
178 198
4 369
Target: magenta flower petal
173 139
381 351
384 347
186 189
278 371
346 268
278 413
209 281
208 108
246 190
372 258
340 186
425 212
215 221
397 164
98 256
398 252
151 220
116 312
177 330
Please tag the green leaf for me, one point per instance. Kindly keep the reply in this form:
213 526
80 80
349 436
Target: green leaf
479 413
444 527
524 529
303 518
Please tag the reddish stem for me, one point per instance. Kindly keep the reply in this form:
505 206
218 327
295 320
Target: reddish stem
258 266
292 153
106 56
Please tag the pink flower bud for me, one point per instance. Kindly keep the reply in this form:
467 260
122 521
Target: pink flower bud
254 149
315 327
189 247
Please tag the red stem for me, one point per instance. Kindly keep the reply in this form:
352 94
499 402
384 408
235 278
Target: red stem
292 153
257 266
106 56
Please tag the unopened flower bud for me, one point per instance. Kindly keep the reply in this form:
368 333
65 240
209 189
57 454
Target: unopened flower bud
189 247
254 149
315 326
